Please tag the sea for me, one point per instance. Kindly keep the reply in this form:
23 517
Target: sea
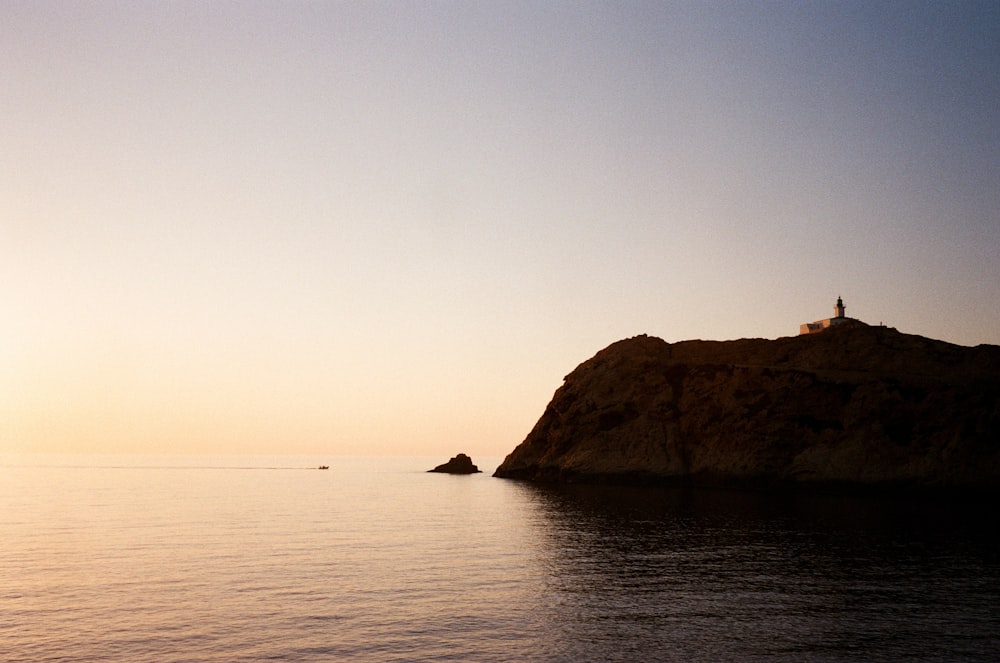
202 558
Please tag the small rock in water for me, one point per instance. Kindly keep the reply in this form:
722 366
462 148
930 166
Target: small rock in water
460 464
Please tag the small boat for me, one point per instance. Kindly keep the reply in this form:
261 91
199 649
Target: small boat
324 467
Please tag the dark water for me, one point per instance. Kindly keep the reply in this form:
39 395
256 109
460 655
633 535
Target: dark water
223 559
724 575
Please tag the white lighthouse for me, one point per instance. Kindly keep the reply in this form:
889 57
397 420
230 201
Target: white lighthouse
839 318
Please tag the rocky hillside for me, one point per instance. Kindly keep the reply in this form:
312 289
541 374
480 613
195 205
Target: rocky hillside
861 405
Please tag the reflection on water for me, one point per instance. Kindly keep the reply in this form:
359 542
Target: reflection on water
683 574
173 560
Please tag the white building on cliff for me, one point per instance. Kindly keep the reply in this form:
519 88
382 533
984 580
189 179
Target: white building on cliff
837 320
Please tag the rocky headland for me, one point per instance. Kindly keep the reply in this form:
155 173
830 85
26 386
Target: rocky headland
860 405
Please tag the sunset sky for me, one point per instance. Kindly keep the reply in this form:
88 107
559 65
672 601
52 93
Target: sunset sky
393 227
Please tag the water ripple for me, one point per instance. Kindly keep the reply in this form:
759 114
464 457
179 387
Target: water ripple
377 560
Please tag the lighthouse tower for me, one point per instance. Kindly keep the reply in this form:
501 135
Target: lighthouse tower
838 320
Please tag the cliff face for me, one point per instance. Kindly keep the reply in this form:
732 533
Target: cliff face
865 405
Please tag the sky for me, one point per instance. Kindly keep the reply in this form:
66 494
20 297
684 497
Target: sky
376 228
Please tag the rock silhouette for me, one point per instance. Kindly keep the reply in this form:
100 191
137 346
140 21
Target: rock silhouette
861 405
460 464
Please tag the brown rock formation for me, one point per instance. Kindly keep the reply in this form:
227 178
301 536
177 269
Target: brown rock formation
460 464
860 405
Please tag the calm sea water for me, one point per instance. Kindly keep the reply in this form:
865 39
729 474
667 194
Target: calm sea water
251 559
